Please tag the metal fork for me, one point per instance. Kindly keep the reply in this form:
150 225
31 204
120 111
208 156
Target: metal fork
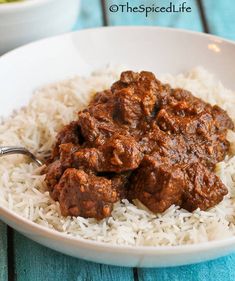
7 150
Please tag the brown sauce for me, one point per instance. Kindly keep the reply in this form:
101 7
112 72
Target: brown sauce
140 140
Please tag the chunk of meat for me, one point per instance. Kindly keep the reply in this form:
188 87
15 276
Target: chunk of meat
222 121
67 151
118 154
95 131
71 133
157 185
86 195
200 124
203 188
101 98
54 171
119 183
181 101
134 96
163 146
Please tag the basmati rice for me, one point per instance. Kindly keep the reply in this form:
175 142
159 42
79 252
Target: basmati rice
22 188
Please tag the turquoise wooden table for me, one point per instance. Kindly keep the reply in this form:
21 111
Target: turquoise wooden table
24 260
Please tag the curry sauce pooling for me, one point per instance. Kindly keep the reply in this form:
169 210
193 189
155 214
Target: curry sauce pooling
142 140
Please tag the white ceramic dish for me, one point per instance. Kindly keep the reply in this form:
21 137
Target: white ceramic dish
150 48
23 22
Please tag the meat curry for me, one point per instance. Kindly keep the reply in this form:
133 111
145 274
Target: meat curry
142 140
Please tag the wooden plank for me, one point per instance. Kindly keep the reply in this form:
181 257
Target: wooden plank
220 269
37 263
190 21
220 15
3 252
90 14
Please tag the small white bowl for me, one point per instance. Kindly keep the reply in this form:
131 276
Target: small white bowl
29 20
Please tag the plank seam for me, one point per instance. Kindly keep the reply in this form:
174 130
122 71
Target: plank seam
104 13
135 274
203 16
10 254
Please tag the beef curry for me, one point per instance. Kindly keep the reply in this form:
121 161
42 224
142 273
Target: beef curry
142 140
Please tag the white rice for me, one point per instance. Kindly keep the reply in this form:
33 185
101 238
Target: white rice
22 188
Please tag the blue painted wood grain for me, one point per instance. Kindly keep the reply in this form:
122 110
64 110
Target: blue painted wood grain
220 15
3 252
218 270
37 263
90 14
190 21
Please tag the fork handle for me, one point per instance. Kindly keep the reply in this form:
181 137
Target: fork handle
8 150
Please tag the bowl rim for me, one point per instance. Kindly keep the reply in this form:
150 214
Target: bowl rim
53 234
19 6
215 38
37 229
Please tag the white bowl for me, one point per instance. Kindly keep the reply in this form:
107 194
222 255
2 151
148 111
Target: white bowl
23 22
156 49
